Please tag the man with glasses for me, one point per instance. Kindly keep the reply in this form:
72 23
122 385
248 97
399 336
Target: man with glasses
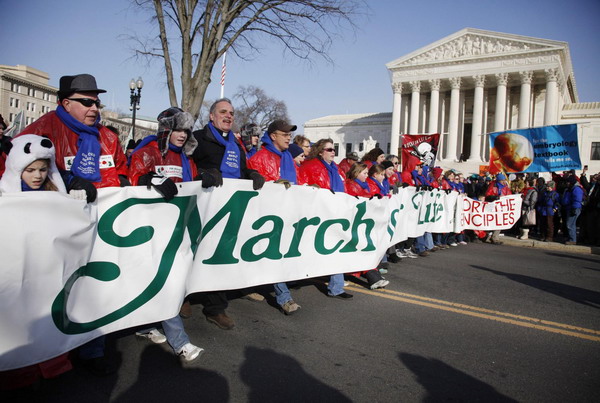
89 156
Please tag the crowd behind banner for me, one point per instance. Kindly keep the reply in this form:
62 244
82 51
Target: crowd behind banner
345 221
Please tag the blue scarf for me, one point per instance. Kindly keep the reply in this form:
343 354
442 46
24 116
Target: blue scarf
185 163
86 164
287 168
420 179
335 180
363 185
500 186
25 187
252 151
231 162
382 190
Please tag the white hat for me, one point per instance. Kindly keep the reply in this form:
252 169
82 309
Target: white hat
25 150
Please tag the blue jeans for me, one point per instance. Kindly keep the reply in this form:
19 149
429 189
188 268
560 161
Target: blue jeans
336 284
440 239
572 224
282 293
92 349
176 335
424 242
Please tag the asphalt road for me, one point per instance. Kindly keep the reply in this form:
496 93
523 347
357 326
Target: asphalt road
471 323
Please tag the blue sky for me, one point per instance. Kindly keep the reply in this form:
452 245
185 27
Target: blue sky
75 36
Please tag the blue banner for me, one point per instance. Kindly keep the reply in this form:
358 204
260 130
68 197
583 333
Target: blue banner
540 149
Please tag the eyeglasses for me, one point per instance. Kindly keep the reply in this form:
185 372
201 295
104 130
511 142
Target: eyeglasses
331 150
87 102
284 134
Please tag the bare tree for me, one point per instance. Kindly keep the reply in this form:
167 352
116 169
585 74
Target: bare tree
200 31
255 106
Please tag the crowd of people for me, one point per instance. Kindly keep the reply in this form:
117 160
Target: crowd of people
68 151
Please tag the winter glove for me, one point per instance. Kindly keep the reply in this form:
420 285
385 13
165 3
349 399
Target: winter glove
376 196
404 185
78 183
394 189
284 182
165 186
211 177
78 194
418 188
257 180
123 181
448 191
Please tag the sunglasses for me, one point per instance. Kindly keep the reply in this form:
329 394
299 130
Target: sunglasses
87 102
331 150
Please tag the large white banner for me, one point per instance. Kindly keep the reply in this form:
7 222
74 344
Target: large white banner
73 271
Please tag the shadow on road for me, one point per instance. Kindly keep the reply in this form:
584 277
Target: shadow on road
162 378
575 294
445 383
276 377
573 256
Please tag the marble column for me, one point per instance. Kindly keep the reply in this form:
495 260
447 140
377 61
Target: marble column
476 133
525 100
414 107
396 113
500 117
452 137
551 105
434 104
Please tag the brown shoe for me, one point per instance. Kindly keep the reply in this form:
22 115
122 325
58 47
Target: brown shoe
254 297
221 320
186 310
424 253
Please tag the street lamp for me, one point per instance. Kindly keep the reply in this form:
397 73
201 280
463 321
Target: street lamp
135 100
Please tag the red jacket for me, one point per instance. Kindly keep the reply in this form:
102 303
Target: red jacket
112 159
407 178
150 159
492 190
314 172
394 179
345 165
268 164
354 189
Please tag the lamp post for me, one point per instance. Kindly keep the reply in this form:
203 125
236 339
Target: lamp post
135 100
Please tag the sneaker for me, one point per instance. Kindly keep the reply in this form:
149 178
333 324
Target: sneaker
462 243
453 244
343 295
346 283
189 352
401 254
290 307
383 271
394 258
254 297
410 254
380 284
153 335
222 321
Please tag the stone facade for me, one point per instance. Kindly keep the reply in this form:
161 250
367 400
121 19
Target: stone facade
475 82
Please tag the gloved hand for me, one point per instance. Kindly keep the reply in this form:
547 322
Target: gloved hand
163 185
124 181
284 182
257 180
394 189
404 185
376 196
78 194
210 177
418 188
448 191
78 183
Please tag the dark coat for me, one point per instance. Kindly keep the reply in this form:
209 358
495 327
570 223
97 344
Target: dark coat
209 153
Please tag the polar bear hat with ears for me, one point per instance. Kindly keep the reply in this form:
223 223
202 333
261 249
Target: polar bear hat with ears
25 150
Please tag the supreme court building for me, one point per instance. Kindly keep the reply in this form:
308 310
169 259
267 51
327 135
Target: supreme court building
465 86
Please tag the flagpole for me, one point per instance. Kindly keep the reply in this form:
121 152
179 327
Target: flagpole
223 72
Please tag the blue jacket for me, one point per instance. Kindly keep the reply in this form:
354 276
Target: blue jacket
549 202
573 198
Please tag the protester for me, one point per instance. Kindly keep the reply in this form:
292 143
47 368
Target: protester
572 201
497 188
302 142
219 153
320 170
91 157
374 156
249 136
164 158
346 163
549 205
275 163
297 154
530 197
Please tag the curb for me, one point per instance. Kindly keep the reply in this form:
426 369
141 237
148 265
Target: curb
535 243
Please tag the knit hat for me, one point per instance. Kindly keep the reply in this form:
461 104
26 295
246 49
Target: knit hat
175 119
387 164
26 149
352 156
551 184
295 150
500 177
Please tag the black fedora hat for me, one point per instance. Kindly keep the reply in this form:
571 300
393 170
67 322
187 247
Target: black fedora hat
78 83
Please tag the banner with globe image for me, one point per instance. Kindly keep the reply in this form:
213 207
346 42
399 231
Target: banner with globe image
539 149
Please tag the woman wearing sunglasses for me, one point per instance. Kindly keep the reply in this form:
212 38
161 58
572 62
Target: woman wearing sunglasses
320 170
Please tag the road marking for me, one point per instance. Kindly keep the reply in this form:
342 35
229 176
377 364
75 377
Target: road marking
504 317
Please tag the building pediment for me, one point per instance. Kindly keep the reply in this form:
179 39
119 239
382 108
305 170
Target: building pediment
470 44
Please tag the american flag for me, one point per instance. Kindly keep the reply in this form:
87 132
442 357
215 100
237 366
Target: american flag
223 70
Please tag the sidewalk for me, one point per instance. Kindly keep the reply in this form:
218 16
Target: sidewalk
536 243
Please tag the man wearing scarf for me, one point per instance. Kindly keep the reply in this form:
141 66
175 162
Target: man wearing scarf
89 156
496 188
87 153
218 149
